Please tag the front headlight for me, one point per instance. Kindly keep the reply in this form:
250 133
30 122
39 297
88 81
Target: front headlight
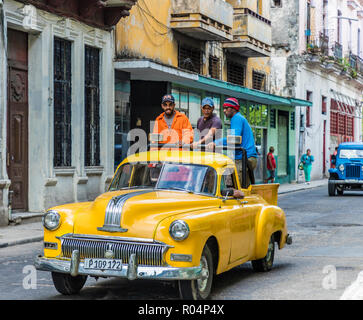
179 230
341 167
51 220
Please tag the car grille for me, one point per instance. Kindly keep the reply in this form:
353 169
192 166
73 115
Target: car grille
147 253
353 171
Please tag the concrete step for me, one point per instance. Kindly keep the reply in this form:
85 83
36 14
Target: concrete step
25 217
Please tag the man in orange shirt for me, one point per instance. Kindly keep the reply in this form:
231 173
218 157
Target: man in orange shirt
172 124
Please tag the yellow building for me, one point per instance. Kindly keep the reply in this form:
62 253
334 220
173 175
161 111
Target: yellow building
194 49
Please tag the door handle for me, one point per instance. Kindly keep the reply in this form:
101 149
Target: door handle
8 159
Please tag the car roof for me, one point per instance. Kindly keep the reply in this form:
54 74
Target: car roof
216 160
351 145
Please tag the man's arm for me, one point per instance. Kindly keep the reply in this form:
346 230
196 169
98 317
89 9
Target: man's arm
187 132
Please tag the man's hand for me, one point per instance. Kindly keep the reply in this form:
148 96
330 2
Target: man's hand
238 194
211 146
195 145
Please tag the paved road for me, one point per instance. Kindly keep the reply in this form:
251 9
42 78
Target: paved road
324 259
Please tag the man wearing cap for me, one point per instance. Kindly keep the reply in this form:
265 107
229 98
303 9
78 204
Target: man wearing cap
239 127
208 123
174 125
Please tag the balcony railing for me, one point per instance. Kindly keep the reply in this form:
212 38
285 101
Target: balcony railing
338 50
360 65
318 44
208 20
251 34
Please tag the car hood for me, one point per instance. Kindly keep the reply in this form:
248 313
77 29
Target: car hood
137 212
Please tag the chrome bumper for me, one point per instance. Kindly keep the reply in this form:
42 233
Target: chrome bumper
346 181
130 271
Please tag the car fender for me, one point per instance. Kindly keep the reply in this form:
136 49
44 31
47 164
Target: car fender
203 225
270 220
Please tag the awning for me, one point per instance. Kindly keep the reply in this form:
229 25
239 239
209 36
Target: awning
148 70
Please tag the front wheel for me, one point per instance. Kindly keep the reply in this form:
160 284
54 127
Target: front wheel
199 289
265 264
331 189
67 284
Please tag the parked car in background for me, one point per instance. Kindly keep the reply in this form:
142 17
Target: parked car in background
348 172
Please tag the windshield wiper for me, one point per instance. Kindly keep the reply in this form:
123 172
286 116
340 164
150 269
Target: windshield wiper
176 188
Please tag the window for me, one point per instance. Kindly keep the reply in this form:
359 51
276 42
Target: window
273 118
190 58
292 120
277 3
228 179
323 105
62 103
235 73
308 109
92 106
214 67
188 103
258 80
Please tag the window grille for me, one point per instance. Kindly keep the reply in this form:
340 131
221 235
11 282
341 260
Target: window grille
292 121
236 73
190 58
62 103
273 118
258 81
92 106
214 67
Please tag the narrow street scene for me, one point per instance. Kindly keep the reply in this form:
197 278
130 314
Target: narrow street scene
323 262
181 150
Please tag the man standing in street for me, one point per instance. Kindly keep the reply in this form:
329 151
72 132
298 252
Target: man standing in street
271 165
208 123
173 125
239 127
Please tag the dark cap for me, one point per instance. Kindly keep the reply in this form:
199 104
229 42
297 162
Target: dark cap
168 97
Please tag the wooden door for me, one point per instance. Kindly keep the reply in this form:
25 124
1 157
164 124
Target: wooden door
17 118
283 143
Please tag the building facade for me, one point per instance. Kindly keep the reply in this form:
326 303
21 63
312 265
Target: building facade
317 56
56 101
195 49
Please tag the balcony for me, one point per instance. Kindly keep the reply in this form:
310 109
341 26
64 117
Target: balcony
207 20
251 34
338 50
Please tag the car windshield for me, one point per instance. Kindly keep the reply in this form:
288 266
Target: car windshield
169 176
351 154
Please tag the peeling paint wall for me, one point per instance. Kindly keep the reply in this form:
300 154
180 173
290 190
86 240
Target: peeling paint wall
146 33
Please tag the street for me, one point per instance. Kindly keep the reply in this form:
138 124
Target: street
324 259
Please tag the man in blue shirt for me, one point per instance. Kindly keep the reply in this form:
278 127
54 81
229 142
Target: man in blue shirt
239 127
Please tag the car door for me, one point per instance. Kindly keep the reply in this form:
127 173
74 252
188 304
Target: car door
239 218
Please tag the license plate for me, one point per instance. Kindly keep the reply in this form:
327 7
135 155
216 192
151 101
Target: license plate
103 264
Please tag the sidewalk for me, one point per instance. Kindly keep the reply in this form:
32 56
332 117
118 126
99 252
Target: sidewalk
32 232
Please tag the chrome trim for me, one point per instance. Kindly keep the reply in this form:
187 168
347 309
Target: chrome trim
347 181
50 245
107 238
112 222
147 253
142 272
181 257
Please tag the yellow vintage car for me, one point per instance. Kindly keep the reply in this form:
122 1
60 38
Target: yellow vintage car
167 215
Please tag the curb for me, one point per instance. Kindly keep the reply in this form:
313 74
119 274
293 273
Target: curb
21 241
302 189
